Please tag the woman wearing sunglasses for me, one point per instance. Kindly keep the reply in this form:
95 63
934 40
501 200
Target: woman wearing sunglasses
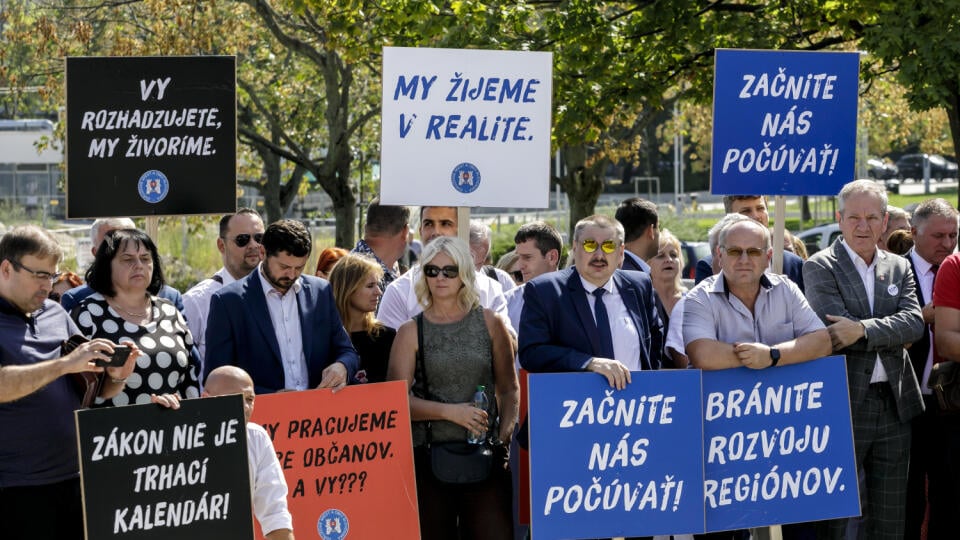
464 346
124 308
356 289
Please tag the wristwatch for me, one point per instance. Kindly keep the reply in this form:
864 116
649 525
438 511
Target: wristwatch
775 356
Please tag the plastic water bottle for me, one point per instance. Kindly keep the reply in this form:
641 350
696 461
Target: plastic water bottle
481 402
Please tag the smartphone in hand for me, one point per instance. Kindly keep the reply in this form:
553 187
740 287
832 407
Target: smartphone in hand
119 358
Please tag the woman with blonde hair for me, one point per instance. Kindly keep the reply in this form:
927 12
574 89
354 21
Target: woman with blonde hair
452 349
356 290
665 269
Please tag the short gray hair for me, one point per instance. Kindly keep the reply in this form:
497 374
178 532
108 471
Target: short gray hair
112 223
930 208
862 186
713 237
479 233
601 221
722 239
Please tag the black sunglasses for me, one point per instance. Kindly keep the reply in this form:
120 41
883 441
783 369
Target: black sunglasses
517 276
433 271
241 240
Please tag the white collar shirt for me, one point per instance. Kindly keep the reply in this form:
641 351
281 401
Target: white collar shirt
868 275
285 316
626 341
924 277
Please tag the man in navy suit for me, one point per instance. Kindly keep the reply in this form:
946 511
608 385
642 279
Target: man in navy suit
641 233
281 327
568 324
755 208
934 231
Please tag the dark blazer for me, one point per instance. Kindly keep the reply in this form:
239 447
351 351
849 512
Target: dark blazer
896 320
792 268
557 329
632 261
240 333
921 348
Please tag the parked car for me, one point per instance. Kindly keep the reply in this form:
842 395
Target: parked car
820 237
911 166
692 253
881 169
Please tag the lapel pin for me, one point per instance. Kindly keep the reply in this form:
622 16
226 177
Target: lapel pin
893 290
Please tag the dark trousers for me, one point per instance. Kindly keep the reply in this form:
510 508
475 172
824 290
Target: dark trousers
464 511
921 448
48 511
943 474
882 445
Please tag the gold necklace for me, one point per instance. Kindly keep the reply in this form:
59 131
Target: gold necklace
144 315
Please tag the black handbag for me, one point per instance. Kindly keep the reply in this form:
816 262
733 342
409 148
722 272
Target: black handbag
455 462
945 383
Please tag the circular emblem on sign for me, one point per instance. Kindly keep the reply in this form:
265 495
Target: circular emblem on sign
465 178
153 186
333 525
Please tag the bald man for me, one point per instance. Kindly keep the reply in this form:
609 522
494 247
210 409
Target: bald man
267 485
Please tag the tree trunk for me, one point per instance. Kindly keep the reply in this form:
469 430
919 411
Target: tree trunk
805 215
953 117
271 187
583 183
337 184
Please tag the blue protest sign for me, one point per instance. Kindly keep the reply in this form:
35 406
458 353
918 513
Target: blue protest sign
778 445
615 463
784 122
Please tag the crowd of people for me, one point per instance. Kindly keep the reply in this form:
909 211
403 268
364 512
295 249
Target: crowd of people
455 322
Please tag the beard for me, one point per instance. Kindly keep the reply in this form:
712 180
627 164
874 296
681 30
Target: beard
282 284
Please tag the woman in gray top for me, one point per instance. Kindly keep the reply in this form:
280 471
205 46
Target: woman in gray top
464 346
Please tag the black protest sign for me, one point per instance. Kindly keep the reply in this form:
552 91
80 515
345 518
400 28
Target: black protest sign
151 136
153 473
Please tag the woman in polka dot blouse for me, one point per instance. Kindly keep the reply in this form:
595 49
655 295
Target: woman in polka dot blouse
126 276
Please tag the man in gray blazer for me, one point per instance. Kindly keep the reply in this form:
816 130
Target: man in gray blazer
867 297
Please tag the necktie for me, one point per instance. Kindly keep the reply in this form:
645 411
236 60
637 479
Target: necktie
603 324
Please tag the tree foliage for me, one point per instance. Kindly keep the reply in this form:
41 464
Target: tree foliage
309 88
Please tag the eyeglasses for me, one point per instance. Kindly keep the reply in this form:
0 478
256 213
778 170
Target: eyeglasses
736 252
36 274
449 272
517 276
608 246
241 240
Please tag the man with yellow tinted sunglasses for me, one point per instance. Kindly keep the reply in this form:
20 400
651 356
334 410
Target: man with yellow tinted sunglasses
593 316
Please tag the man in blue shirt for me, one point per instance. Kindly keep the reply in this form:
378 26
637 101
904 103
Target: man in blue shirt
39 470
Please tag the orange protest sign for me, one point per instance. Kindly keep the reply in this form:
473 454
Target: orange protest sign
347 458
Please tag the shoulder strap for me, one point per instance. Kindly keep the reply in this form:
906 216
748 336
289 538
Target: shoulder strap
421 363
422 367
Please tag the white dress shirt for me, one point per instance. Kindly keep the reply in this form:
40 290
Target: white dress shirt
868 275
626 340
267 485
286 325
399 303
196 307
925 283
